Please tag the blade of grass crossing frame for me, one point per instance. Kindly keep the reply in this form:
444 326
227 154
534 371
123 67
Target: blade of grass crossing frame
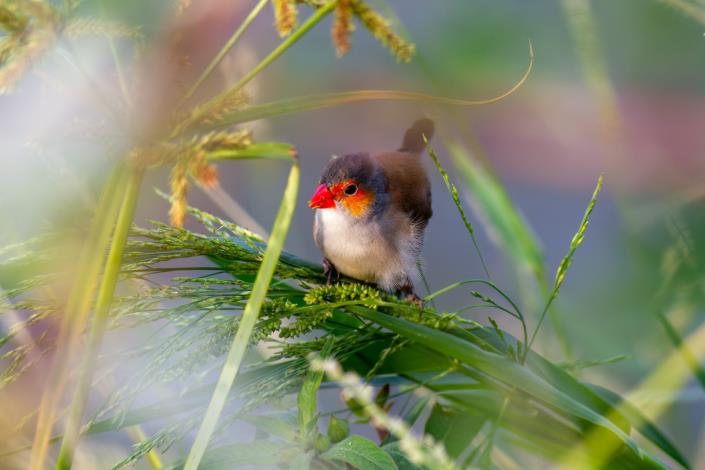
100 319
203 111
327 100
496 366
225 49
642 423
77 308
248 320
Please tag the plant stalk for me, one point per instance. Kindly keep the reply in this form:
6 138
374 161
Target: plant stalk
100 319
77 308
248 320
225 49
317 16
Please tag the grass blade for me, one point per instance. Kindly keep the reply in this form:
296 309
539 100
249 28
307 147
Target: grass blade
77 308
225 49
568 258
249 318
203 111
307 400
327 100
456 200
642 423
267 150
100 320
497 366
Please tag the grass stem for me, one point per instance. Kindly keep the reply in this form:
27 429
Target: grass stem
317 16
76 311
248 320
225 49
100 320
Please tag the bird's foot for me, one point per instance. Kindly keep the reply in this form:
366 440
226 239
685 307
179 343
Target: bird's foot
414 299
408 294
331 273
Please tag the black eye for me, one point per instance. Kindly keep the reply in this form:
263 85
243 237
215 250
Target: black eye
351 189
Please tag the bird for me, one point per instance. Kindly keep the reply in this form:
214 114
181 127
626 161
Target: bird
371 212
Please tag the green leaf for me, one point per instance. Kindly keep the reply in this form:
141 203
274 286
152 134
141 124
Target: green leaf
306 399
248 319
556 376
260 150
641 423
454 429
496 366
395 452
361 453
338 429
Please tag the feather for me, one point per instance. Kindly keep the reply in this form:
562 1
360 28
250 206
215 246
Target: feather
414 136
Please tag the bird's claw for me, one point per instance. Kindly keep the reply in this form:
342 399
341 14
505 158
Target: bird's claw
407 290
332 274
414 299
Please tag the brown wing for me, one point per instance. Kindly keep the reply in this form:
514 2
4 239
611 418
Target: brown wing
409 187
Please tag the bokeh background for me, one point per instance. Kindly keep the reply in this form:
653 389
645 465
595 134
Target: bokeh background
617 89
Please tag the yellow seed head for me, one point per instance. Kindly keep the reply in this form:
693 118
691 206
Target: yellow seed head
285 16
179 189
342 27
382 30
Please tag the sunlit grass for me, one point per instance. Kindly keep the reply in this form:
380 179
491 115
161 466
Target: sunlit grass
485 396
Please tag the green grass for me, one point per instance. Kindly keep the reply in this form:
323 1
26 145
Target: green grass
216 296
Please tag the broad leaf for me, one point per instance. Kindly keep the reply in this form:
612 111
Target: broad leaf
455 430
399 457
496 366
361 453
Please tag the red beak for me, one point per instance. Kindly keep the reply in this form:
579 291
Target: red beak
322 198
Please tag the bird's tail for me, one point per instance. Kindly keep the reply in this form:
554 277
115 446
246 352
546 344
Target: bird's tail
414 136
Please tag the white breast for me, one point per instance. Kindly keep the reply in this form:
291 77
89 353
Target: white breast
360 250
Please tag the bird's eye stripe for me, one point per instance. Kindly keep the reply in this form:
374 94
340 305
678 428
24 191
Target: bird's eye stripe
351 189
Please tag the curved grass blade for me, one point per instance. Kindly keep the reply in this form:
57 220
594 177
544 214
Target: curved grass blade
327 100
642 423
496 366
248 319
506 226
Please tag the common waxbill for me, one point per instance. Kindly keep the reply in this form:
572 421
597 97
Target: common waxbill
371 213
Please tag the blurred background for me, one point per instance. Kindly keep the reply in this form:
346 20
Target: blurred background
617 88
